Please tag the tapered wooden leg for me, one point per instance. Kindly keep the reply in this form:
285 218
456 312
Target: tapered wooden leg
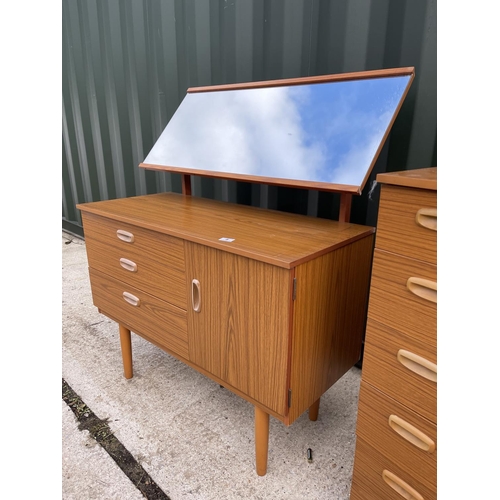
314 410
261 440
126 344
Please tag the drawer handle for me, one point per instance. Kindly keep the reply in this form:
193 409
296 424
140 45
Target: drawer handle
125 236
418 365
195 295
398 485
426 289
131 299
427 217
128 265
411 434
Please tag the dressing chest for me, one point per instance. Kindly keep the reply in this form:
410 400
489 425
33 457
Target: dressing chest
271 305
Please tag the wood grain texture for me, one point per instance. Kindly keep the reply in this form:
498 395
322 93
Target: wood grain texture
421 178
367 481
161 321
199 369
159 258
397 229
241 332
278 238
146 243
375 408
329 321
382 369
392 304
339 77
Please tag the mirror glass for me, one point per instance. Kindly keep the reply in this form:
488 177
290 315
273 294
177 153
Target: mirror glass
319 132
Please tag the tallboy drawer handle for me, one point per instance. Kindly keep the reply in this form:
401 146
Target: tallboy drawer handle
418 365
195 295
131 299
427 217
425 289
128 265
411 434
398 485
125 236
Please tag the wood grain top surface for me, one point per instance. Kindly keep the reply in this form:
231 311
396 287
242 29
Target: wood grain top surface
423 178
270 236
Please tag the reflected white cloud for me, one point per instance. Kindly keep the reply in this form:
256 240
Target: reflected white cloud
323 132
353 165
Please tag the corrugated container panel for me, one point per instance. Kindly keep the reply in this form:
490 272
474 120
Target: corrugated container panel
128 63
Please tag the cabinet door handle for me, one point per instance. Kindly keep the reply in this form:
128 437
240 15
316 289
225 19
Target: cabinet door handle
425 289
398 485
196 295
131 299
128 265
427 217
411 434
418 365
125 236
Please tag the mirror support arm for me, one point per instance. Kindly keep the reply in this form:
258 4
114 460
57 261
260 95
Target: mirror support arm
345 207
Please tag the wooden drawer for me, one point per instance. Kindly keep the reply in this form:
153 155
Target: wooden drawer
398 433
382 369
397 228
152 261
368 481
162 322
392 302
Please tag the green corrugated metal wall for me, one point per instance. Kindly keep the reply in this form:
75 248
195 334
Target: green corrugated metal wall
127 65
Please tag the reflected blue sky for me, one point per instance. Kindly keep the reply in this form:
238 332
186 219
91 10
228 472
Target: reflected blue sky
323 132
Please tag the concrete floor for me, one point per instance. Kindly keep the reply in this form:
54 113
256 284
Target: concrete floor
194 438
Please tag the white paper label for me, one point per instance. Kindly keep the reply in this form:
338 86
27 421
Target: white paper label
226 239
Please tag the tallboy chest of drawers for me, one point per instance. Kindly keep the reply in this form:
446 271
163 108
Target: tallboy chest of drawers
396 447
271 305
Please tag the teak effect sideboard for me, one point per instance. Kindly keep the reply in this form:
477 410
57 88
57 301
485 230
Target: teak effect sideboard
271 305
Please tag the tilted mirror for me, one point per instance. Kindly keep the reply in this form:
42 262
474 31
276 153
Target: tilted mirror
316 132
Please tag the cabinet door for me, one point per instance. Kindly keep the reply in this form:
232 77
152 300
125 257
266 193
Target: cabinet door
239 331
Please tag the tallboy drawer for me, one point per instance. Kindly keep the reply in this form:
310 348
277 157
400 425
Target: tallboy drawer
145 259
398 433
162 322
403 294
377 477
407 222
402 367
